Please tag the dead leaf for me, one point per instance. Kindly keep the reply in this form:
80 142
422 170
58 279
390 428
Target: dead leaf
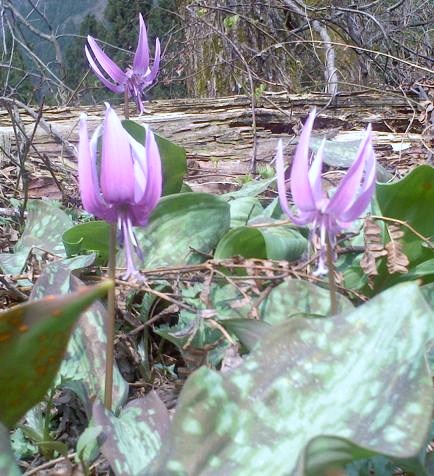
374 248
397 260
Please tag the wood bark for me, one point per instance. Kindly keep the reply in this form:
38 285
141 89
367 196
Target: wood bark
217 133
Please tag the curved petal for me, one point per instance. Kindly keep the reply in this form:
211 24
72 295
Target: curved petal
281 185
156 64
154 182
117 170
107 64
300 184
348 188
315 176
367 190
116 88
304 217
141 57
88 180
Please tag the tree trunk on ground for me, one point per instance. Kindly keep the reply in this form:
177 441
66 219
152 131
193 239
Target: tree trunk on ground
217 133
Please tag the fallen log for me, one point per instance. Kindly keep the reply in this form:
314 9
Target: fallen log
219 134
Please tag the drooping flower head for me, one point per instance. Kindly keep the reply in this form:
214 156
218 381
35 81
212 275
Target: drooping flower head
328 216
128 184
136 77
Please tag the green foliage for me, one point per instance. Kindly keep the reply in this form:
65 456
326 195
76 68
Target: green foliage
91 236
279 243
184 228
33 338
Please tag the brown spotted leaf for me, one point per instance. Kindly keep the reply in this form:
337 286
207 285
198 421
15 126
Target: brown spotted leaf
83 367
33 338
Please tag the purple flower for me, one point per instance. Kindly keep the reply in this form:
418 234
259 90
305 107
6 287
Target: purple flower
136 78
129 183
328 215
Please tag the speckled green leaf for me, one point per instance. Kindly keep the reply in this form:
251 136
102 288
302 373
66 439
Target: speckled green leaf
83 368
428 293
45 225
173 157
244 209
248 331
132 440
295 297
249 189
33 338
280 243
92 236
314 393
8 465
184 228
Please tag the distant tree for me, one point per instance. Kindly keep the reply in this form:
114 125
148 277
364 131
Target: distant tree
14 77
76 62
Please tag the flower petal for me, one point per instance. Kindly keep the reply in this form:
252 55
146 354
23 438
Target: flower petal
141 57
116 88
156 64
367 189
141 211
117 170
315 177
346 191
108 65
300 184
88 180
281 185
304 217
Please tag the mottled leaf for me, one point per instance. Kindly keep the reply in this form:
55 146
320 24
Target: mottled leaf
45 225
314 394
244 209
184 228
273 242
248 331
8 465
33 338
250 189
83 368
173 157
295 297
131 441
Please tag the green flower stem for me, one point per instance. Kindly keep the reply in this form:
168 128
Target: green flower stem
332 281
111 310
126 105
